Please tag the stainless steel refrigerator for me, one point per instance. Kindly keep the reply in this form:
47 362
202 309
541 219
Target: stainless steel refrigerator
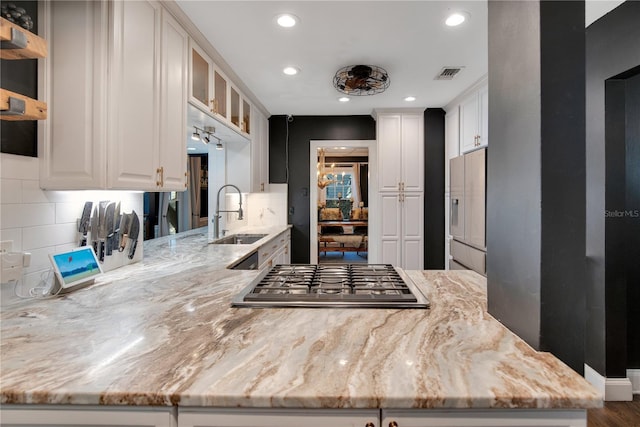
468 211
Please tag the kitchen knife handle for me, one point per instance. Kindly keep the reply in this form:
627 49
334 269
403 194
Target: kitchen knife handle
109 245
132 251
123 243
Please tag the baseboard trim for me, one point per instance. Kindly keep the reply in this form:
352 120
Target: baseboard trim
634 377
613 389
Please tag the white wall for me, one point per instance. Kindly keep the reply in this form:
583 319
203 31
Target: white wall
44 222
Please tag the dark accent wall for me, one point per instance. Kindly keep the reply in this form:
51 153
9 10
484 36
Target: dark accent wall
301 130
632 181
434 189
536 174
612 48
20 76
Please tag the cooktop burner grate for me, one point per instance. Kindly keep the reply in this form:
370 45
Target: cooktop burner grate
352 285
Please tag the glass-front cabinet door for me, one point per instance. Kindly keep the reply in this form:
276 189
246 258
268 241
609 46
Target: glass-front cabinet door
246 117
200 78
220 98
235 107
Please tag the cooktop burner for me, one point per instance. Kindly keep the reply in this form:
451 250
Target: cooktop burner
339 285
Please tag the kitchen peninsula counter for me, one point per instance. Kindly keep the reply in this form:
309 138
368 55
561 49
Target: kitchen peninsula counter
162 332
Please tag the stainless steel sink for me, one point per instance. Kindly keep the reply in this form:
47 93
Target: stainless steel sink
239 239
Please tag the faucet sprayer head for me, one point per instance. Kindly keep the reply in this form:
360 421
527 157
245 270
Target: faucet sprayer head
240 213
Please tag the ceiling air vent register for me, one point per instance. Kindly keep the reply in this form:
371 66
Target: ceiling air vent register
361 80
448 73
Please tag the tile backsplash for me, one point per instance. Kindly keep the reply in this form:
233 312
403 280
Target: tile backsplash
43 222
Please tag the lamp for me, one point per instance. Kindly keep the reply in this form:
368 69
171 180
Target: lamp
195 136
323 179
360 80
219 146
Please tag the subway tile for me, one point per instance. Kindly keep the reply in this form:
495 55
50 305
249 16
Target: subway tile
68 212
19 167
32 193
48 235
11 190
13 234
39 259
27 215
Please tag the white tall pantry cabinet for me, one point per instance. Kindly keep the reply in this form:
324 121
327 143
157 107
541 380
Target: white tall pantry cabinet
117 86
400 136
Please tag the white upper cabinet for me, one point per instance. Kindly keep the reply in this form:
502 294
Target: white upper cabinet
400 151
259 153
73 138
212 92
132 131
474 121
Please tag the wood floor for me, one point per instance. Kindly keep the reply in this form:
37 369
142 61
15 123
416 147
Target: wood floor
616 414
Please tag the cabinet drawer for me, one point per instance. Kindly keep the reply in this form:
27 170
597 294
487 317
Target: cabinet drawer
456 266
472 258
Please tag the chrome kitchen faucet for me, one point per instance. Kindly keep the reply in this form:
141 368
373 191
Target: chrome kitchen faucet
217 216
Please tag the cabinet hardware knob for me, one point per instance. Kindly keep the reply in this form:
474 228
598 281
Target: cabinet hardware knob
262 186
393 424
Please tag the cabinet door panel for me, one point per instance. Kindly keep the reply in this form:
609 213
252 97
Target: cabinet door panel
391 230
173 118
485 418
483 116
85 416
133 142
74 144
389 152
474 198
413 231
468 123
412 152
198 417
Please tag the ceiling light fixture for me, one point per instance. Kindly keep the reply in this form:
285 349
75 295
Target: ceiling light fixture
287 20
344 99
410 98
219 145
207 133
455 19
191 148
360 80
290 71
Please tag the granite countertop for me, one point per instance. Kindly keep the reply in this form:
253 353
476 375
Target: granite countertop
162 332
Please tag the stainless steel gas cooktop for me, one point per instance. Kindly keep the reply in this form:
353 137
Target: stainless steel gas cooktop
339 285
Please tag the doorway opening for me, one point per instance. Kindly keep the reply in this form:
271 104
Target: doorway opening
343 184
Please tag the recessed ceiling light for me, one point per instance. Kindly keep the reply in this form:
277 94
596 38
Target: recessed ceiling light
410 98
344 99
290 71
455 19
287 20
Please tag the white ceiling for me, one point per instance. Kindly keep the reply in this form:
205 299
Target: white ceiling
407 38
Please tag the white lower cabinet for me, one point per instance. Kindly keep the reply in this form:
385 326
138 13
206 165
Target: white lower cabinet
402 229
275 251
132 416
484 418
223 417
87 416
